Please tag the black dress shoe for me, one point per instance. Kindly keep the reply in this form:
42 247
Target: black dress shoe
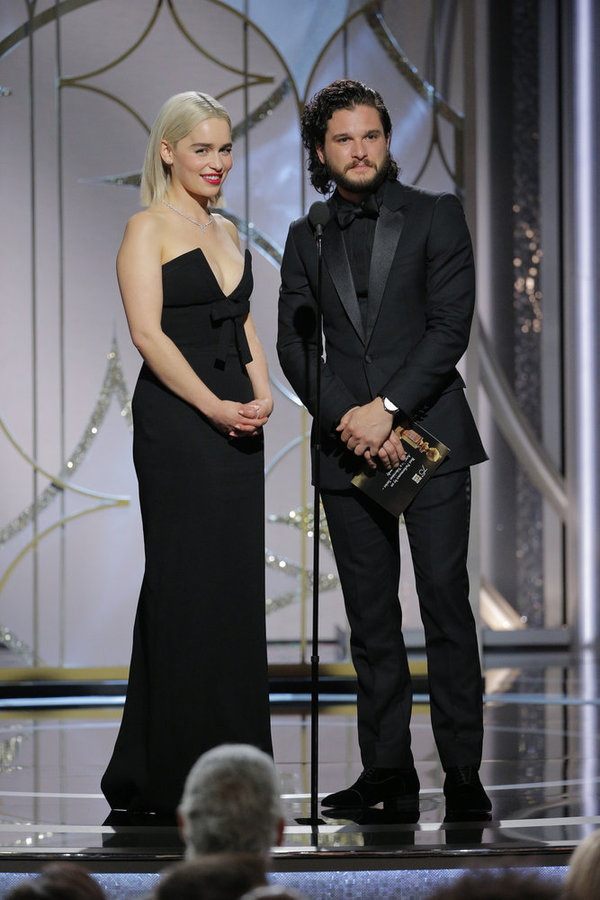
397 788
466 799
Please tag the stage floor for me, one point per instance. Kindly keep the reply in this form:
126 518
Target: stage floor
540 767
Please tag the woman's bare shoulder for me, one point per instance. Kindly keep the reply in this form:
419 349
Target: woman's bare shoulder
228 226
149 223
144 233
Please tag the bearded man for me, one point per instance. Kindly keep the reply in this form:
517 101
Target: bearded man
398 291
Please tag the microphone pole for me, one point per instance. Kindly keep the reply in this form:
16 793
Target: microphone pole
318 216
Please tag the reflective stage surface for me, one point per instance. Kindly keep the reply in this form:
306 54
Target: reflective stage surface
540 768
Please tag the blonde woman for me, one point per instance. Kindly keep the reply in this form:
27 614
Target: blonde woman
198 673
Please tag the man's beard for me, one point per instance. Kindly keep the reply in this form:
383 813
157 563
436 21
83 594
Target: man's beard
368 187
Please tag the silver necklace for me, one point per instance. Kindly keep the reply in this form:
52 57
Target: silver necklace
201 225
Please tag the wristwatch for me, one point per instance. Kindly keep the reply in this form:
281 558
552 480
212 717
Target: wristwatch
389 406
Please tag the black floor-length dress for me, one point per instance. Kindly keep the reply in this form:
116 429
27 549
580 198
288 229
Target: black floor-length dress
198 673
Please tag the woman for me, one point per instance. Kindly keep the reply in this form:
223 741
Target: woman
198 673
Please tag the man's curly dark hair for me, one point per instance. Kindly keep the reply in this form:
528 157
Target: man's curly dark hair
341 94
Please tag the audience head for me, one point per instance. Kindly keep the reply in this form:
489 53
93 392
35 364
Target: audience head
274 892
231 803
583 877
509 885
221 876
59 881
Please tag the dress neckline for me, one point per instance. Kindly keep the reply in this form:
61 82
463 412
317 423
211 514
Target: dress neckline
199 250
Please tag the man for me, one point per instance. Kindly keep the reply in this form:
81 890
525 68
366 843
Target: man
231 803
397 302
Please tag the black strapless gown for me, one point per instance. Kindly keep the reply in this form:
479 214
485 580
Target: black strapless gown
198 673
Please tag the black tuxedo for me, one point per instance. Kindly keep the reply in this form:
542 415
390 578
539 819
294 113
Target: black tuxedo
406 347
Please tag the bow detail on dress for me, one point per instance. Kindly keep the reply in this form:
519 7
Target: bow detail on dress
231 313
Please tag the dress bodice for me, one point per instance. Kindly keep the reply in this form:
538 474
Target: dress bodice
197 313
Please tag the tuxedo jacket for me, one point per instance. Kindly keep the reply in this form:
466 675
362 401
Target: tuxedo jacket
420 306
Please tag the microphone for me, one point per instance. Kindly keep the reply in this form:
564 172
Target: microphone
318 216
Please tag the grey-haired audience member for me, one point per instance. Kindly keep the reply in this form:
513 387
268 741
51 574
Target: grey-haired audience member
583 877
58 881
218 876
509 885
231 803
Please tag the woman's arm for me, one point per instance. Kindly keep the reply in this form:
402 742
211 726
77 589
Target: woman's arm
140 281
258 370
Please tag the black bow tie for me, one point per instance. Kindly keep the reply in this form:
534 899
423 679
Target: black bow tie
367 210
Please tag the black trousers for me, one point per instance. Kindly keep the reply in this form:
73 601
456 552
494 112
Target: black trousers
365 541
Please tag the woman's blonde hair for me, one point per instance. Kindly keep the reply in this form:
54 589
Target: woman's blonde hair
177 117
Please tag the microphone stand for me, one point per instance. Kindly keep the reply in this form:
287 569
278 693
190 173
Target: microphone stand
314 659
318 216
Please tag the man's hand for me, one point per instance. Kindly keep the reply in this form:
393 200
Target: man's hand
391 452
367 431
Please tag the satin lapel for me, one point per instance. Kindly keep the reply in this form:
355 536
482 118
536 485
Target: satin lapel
387 235
336 260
